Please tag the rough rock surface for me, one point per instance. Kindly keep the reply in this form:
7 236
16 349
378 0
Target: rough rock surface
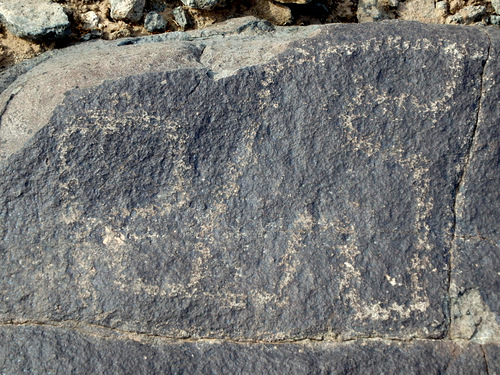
90 19
154 22
34 19
496 6
492 358
243 184
60 350
181 17
375 10
476 254
128 10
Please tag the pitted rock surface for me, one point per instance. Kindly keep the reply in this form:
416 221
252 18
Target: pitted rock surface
301 184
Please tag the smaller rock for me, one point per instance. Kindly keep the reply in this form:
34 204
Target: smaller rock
442 9
373 10
154 22
34 19
467 15
94 34
455 19
181 17
496 6
418 10
90 20
204 4
127 10
473 12
442 6
495 20
255 26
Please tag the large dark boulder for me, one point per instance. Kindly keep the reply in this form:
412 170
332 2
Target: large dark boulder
245 184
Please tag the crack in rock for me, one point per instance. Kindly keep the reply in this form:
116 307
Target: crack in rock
104 332
458 194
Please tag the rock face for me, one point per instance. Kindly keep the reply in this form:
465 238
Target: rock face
476 252
33 19
322 183
118 354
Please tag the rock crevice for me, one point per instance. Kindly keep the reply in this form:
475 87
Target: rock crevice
463 175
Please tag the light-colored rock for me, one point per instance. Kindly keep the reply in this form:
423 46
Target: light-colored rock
419 10
473 13
154 22
495 20
127 10
496 6
35 20
442 5
441 9
181 17
472 319
90 20
467 15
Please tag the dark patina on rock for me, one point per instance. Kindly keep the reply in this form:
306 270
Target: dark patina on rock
58 350
267 185
475 277
306 196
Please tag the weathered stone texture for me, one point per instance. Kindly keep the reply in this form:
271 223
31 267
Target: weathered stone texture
34 19
492 358
304 183
311 195
56 350
476 255
129 10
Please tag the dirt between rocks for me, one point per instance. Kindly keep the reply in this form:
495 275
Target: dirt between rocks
91 18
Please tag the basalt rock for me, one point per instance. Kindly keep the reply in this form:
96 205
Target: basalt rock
316 183
476 251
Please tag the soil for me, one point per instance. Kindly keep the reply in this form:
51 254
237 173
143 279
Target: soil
14 49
